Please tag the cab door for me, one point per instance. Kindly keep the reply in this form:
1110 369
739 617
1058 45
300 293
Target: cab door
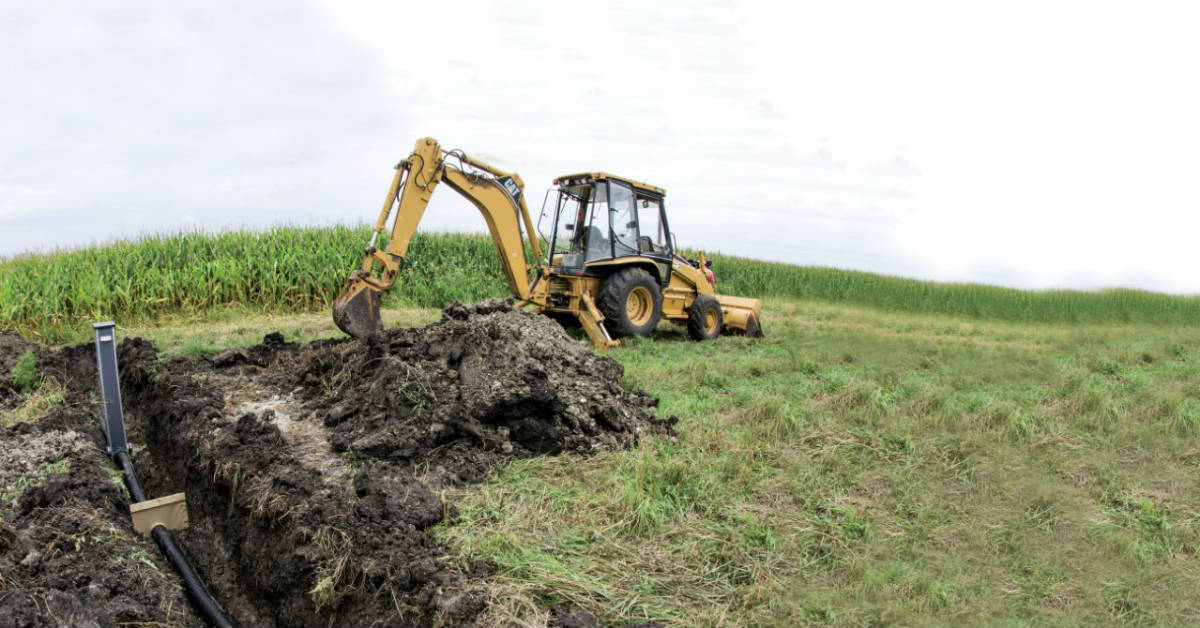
654 237
623 213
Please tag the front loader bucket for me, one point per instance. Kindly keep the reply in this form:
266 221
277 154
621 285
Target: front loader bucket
741 315
356 310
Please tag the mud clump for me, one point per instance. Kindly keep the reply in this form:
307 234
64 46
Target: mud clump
485 382
313 471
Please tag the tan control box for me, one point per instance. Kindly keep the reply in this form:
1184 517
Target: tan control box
169 511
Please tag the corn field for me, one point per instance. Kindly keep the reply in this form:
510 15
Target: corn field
286 269
741 276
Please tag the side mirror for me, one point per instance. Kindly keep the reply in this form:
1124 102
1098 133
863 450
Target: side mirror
569 227
631 224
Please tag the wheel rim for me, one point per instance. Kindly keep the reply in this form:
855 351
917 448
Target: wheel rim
710 321
639 305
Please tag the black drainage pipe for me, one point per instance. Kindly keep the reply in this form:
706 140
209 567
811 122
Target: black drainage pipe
199 594
113 423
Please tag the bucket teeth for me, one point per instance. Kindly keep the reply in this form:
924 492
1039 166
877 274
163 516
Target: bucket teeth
356 310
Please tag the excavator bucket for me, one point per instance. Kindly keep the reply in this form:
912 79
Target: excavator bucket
356 310
741 315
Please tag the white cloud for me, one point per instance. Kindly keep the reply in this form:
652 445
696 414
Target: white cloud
133 117
1027 144
1054 140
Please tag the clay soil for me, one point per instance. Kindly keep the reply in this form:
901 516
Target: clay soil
313 471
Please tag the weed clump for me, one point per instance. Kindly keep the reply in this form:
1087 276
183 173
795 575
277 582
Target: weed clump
25 377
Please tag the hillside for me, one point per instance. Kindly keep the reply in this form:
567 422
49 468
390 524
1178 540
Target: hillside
892 452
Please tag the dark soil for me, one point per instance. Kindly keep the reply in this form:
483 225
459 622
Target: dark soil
67 554
313 472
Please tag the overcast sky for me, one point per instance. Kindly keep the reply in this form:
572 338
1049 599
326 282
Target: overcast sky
1027 144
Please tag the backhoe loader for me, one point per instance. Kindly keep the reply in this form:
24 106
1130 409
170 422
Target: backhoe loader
610 267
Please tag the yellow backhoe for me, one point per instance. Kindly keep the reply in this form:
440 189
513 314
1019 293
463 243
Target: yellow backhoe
610 265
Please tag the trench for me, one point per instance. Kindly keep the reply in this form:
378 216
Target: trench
312 471
197 592
253 567
280 532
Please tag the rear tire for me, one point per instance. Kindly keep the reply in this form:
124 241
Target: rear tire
631 303
704 318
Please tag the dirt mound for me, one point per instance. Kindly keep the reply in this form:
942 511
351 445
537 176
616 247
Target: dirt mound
486 381
313 471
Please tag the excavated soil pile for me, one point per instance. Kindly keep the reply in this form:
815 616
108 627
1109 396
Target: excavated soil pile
313 471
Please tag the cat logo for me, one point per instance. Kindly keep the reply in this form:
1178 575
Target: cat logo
512 188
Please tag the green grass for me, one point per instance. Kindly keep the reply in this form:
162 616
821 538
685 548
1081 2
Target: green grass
863 468
41 394
25 376
205 333
54 297
48 395
12 495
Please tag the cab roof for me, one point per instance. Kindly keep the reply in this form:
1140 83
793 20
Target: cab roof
582 177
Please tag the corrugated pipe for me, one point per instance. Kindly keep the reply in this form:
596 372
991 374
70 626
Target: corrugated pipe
199 594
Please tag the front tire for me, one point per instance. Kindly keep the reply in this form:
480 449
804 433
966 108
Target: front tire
704 318
631 303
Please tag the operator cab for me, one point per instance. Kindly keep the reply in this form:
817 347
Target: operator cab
591 218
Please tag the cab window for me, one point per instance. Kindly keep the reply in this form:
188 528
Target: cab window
652 235
596 238
624 219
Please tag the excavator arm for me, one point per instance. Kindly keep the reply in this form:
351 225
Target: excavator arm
497 194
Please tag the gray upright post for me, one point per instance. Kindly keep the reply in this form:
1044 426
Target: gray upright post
112 420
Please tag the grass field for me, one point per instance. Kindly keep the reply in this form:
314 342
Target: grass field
893 452
854 467
859 468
